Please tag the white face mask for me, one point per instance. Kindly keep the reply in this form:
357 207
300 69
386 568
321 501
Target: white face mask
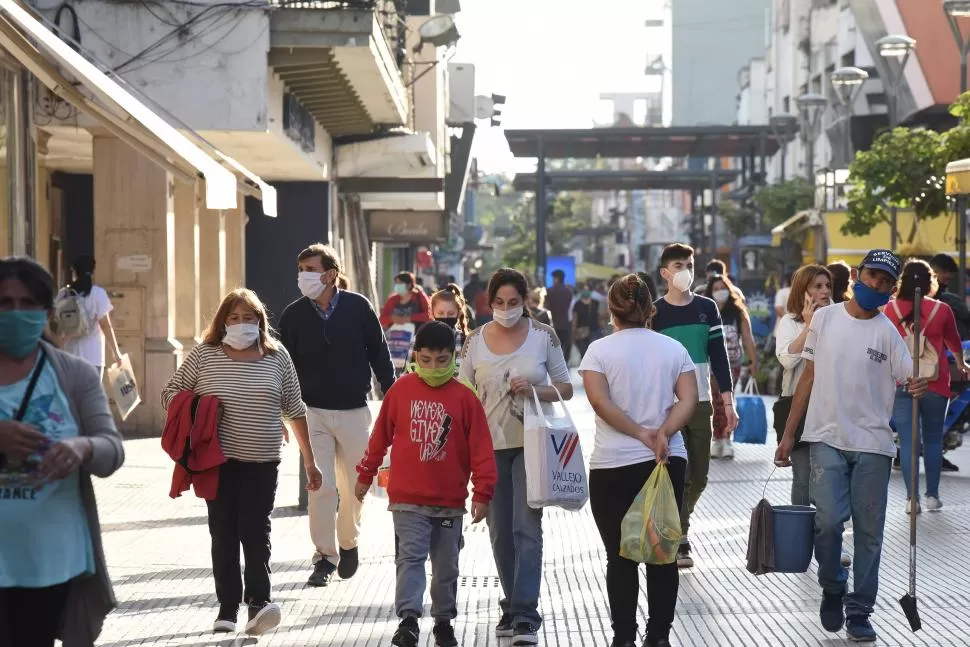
241 336
311 284
683 280
721 296
507 318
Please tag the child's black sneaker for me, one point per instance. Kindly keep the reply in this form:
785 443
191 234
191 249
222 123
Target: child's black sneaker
407 633
444 635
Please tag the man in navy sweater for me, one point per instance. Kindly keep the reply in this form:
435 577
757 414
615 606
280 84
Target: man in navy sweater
335 340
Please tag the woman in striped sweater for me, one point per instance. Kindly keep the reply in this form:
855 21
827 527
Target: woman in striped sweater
254 378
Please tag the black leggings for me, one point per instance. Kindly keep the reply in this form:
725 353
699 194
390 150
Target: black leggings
611 493
31 617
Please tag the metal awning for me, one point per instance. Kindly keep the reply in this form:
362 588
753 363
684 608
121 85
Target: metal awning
958 177
30 41
676 141
627 180
799 222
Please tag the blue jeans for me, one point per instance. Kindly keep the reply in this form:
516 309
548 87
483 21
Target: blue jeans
932 413
849 485
516 533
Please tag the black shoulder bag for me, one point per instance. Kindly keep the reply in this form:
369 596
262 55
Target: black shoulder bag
28 394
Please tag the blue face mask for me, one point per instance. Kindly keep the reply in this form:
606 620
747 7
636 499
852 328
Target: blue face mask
867 298
20 331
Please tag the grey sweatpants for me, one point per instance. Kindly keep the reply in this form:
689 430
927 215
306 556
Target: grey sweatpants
416 536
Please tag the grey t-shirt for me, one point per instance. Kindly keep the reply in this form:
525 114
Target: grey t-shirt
858 363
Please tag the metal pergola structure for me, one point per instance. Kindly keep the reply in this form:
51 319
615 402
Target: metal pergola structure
752 145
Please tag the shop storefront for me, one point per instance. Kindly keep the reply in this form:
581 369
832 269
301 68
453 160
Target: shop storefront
401 234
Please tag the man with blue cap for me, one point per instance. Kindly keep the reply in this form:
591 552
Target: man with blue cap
855 359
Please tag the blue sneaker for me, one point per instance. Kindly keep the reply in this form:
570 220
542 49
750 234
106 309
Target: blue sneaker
860 630
832 613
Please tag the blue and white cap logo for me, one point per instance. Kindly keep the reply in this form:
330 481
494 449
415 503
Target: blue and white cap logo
885 260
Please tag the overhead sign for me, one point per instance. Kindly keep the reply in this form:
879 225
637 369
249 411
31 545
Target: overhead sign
408 226
135 263
565 263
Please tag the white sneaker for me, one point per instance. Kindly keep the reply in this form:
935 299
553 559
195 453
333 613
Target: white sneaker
909 507
263 618
728 448
717 448
933 503
224 627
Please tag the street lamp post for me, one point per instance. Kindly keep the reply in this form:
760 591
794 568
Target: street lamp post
847 82
784 126
955 9
810 107
895 51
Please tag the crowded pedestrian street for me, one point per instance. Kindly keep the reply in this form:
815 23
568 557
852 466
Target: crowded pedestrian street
158 556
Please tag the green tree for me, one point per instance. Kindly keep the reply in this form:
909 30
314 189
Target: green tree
740 221
779 202
570 213
904 168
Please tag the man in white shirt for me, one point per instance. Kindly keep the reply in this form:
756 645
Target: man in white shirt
858 357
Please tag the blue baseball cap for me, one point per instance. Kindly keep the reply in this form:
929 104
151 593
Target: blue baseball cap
885 260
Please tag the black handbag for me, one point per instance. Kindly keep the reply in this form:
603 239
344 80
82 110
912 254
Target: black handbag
782 410
28 394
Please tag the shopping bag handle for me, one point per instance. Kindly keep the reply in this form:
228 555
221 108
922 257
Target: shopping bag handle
535 397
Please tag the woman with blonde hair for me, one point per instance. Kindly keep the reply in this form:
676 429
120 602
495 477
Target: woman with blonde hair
811 289
537 298
448 307
255 381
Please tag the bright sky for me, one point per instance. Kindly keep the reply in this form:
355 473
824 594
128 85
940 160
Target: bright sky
552 59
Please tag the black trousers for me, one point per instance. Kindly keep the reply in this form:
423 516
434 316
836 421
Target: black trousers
240 514
565 336
611 493
30 617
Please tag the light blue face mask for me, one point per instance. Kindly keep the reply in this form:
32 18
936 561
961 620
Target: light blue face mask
20 331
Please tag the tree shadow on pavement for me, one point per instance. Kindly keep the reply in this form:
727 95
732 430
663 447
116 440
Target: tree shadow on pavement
205 641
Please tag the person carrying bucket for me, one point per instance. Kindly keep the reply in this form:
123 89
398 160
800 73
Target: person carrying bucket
858 358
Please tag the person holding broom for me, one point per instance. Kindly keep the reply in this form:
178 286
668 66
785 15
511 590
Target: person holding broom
642 386
855 358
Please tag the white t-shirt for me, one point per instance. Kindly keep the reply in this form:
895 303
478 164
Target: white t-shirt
857 365
91 347
793 363
538 359
781 298
641 368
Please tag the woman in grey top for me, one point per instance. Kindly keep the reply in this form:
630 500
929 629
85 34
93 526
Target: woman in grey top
56 431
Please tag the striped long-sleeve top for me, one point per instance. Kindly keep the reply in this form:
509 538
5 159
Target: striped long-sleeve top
698 327
255 396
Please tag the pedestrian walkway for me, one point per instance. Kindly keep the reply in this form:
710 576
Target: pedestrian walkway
158 553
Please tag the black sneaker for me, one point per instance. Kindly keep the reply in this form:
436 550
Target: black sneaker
525 634
832 612
407 633
623 642
226 620
659 642
505 628
263 617
322 573
949 467
684 560
444 634
348 563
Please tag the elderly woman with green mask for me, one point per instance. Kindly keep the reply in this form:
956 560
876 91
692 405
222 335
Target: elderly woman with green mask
56 432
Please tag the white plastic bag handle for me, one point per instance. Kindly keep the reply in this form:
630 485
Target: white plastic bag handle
539 411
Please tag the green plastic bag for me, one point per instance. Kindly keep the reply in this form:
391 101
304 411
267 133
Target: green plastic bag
650 530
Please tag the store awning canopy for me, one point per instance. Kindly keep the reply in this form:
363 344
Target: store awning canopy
797 223
675 141
958 177
594 271
627 180
187 156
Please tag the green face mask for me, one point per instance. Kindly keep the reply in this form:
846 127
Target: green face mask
435 377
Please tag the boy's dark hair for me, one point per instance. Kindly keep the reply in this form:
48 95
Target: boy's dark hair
945 263
675 252
435 335
559 275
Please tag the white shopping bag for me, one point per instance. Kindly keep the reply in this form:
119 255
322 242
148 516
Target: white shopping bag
555 473
122 387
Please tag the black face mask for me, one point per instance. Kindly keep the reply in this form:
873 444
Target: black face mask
451 322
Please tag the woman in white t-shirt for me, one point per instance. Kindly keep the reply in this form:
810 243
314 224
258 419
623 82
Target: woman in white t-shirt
811 290
504 360
641 385
97 306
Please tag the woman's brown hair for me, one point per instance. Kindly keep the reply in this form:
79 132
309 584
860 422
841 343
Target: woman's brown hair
841 278
630 302
515 278
452 293
735 298
217 327
800 282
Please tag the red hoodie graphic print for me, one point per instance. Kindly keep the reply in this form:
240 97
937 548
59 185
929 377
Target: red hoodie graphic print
439 440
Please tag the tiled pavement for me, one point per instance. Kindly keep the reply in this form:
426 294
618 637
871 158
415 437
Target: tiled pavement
158 551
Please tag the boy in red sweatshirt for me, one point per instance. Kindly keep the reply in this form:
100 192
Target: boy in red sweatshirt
439 438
